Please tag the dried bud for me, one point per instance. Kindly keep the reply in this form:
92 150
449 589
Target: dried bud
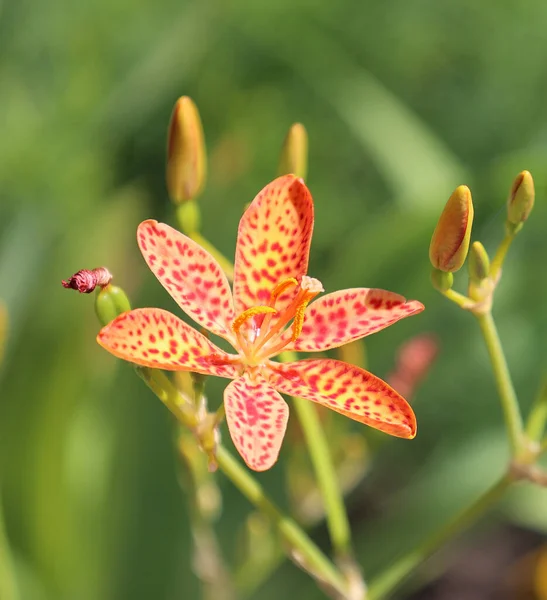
521 198
478 263
110 302
186 157
450 241
86 281
441 281
414 360
294 154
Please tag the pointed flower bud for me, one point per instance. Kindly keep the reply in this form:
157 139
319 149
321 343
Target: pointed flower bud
86 281
450 241
110 302
478 263
294 154
521 198
186 157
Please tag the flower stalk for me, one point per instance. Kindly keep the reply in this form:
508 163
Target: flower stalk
387 582
535 426
318 447
509 402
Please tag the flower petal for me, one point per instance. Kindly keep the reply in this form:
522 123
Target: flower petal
152 337
349 390
190 274
257 419
348 315
273 242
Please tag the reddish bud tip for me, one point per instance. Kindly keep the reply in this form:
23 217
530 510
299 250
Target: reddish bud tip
521 198
86 281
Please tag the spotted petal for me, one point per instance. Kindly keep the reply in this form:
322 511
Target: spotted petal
273 242
190 274
349 390
152 337
348 315
257 419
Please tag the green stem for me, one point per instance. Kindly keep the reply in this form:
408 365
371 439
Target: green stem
499 258
535 425
509 402
8 585
329 486
335 510
457 298
188 219
313 559
387 582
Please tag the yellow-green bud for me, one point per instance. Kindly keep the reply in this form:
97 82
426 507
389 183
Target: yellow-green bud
450 241
110 302
521 198
186 156
441 280
478 263
294 154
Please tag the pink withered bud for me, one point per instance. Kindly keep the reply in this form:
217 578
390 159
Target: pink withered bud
186 157
521 198
450 241
86 281
294 154
414 360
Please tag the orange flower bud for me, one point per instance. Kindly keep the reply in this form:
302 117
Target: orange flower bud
521 198
186 157
294 154
450 241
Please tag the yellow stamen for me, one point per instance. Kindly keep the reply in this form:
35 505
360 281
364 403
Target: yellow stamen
298 321
281 287
249 313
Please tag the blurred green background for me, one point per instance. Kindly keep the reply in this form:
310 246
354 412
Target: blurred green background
403 100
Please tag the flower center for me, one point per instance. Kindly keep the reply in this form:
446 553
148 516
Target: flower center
261 331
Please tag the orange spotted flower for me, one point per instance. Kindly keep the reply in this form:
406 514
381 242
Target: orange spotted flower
269 311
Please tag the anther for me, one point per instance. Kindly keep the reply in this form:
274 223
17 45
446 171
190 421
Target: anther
298 321
249 313
281 287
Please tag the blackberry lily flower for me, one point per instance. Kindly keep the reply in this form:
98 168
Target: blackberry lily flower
270 311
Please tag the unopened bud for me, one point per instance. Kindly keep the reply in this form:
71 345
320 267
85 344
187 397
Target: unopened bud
441 280
110 302
450 241
521 198
186 157
85 281
294 154
478 263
